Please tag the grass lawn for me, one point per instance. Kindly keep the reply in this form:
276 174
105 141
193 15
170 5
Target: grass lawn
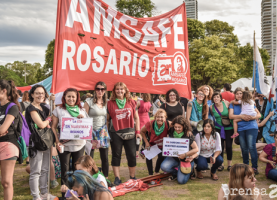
194 190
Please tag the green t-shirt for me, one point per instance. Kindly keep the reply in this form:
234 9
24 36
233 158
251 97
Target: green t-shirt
223 113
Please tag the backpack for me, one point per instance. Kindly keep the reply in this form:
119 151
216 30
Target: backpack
22 132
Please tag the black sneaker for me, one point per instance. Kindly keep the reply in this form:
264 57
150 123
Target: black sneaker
133 178
255 171
117 181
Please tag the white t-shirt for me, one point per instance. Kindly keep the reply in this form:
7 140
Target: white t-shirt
101 178
155 106
72 145
208 147
248 109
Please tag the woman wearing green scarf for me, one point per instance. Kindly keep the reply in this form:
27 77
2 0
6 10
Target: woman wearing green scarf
70 107
122 111
153 133
197 109
181 129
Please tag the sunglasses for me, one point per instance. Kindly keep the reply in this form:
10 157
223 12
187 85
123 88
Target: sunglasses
100 89
260 96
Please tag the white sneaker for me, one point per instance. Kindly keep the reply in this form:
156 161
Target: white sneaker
44 196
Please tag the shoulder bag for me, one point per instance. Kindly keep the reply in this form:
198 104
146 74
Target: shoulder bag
224 119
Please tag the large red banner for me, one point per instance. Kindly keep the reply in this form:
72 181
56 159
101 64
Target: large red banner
96 43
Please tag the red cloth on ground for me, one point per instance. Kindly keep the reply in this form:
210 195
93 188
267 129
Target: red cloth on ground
129 186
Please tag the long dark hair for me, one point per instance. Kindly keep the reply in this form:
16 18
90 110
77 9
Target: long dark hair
208 121
205 108
104 98
11 90
33 89
78 101
156 96
183 122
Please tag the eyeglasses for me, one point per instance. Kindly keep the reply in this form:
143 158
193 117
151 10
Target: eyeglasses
260 95
100 89
201 94
37 93
172 95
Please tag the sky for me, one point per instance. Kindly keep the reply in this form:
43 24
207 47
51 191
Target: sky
27 26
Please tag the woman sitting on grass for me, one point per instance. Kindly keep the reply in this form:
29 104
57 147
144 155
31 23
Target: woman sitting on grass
242 181
85 185
209 144
181 129
86 163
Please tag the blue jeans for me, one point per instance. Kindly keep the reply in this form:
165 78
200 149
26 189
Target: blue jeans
202 163
247 139
169 164
272 174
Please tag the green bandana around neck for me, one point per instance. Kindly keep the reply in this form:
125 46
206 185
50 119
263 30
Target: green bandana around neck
158 130
95 176
176 135
199 106
120 103
73 111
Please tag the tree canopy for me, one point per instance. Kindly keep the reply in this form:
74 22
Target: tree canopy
136 8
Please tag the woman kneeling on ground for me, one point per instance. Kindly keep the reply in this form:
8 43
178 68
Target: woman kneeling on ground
268 156
242 182
181 129
209 144
153 133
85 185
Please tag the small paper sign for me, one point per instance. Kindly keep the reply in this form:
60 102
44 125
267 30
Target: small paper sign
173 147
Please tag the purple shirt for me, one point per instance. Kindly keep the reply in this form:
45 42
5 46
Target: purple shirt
268 151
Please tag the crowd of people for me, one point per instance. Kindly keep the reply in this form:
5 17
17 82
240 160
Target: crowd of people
211 120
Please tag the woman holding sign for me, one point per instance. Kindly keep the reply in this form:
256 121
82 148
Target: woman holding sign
209 144
197 109
97 110
153 133
70 107
184 163
122 111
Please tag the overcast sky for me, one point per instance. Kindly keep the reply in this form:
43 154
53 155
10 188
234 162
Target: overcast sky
27 26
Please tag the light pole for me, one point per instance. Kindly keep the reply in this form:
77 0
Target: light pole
25 61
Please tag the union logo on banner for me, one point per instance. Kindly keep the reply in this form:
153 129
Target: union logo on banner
170 70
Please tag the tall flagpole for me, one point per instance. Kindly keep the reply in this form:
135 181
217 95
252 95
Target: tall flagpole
254 64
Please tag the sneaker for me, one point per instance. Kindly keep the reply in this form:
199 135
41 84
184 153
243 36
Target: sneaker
54 184
117 181
44 196
255 171
133 178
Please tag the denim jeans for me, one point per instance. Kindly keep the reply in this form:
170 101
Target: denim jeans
169 164
202 163
39 167
272 174
247 139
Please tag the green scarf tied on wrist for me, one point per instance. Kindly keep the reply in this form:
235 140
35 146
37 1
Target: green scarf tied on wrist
158 130
178 135
73 111
120 103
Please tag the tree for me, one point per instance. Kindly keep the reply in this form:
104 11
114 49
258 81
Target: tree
223 30
136 8
8 74
31 71
49 59
212 63
196 29
245 55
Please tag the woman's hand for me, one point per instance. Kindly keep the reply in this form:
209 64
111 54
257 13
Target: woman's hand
189 159
147 146
246 117
271 113
139 136
58 146
212 160
86 197
272 163
182 156
4 134
80 116
64 188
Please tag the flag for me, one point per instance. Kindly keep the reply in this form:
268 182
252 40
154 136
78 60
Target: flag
262 84
273 89
46 83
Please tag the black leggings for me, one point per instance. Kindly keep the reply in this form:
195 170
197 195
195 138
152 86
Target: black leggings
104 152
229 143
130 150
159 161
65 162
